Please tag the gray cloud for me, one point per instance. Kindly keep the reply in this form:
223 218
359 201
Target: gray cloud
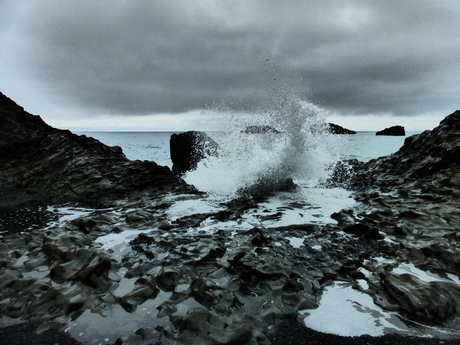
143 57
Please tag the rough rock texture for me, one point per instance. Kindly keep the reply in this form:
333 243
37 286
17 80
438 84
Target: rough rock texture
394 130
414 197
431 302
201 279
189 148
336 129
198 287
428 158
63 166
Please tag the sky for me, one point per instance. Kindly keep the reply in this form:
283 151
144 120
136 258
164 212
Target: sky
180 64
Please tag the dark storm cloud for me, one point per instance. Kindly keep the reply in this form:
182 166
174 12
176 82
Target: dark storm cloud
139 57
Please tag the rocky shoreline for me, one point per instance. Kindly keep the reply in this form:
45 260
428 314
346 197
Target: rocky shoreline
219 286
60 166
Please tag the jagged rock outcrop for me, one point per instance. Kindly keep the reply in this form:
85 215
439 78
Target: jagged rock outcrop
185 279
430 160
394 130
413 195
336 129
62 166
188 149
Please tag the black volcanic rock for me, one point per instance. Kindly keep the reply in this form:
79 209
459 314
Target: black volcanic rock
426 159
430 302
394 131
336 129
260 129
189 148
413 196
62 166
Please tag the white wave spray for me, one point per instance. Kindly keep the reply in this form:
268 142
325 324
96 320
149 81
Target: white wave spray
300 149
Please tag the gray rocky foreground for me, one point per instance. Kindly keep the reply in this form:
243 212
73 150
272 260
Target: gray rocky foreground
176 283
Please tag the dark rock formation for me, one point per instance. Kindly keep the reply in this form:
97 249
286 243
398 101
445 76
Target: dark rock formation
62 166
430 160
336 129
414 196
204 287
260 129
394 130
189 148
430 302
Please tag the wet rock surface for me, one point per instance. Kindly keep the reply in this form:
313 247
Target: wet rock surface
201 286
132 272
413 198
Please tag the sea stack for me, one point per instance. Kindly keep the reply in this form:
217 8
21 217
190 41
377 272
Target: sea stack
394 130
336 129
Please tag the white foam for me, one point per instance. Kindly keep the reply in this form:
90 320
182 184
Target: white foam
67 214
189 207
318 205
302 149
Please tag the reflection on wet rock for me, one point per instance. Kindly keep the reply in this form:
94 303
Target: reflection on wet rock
432 302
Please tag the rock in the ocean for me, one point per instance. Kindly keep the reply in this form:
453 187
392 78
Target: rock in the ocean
62 166
394 130
189 148
336 129
260 129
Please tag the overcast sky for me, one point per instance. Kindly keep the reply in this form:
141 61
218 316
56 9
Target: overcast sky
111 64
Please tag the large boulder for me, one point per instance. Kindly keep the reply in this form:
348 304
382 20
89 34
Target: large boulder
62 166
394 131
430 302
188 149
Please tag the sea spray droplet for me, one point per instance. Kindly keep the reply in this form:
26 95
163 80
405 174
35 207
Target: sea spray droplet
297 146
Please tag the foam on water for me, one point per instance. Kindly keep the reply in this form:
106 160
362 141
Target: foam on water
301 149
